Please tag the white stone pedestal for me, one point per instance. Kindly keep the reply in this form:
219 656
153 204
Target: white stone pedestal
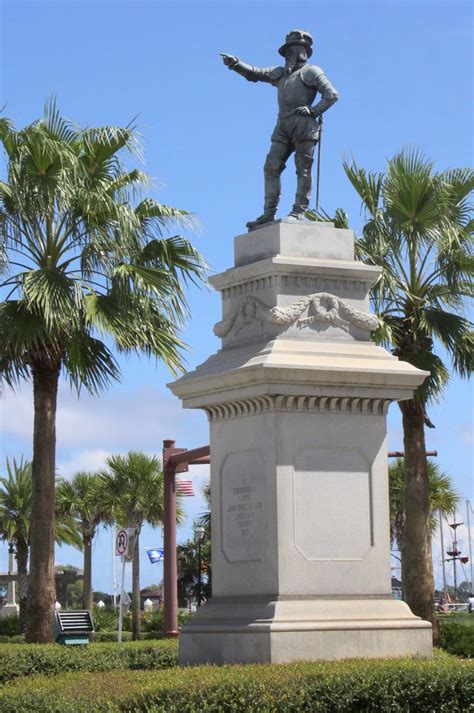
297 400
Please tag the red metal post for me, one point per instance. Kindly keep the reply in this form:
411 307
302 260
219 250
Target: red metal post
401 454
170 569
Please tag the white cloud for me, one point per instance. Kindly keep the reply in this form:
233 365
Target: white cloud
88 460
118 420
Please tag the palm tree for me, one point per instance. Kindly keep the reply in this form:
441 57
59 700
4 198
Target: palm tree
82 260
15 512
16 494
133 494
187 565
82 499
419 230
188 559
442 496
206 545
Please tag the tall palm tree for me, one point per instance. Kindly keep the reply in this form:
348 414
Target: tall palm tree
133 494
82 261
16 494
82 499
419 230
442 496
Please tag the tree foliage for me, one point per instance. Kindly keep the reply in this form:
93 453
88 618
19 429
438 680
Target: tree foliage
443 497
83 258
419 229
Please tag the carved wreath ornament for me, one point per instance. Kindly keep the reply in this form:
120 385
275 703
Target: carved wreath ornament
322 307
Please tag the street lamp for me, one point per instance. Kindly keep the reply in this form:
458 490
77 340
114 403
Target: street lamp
199 533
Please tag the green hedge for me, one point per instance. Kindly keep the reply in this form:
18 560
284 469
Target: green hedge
444 685
10 626
51 659
457 638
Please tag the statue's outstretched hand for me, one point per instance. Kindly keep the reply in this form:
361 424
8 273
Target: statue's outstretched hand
229 59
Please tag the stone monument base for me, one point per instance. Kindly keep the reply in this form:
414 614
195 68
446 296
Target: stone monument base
281 630
297 399
9 610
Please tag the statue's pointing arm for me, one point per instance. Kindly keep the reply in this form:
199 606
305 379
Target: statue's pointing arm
253 74
315 77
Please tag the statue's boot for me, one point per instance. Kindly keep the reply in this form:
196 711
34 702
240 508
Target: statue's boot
299 207
303 164
272 169
266 217
269 210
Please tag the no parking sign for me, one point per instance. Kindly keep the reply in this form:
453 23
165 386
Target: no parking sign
124 542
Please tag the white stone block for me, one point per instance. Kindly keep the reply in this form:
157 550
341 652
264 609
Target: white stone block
294 239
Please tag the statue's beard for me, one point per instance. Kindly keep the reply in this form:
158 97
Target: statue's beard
291 65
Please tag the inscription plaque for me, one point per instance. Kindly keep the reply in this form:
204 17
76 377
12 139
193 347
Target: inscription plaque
243 507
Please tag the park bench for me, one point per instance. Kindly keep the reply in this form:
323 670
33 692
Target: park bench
73 627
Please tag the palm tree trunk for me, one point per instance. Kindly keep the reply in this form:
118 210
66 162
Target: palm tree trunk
87 582
41 587
418 581
136 613
22 568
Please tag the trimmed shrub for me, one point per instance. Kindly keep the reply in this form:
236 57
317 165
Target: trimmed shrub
51 659
10 626
457 638
444 685
102 636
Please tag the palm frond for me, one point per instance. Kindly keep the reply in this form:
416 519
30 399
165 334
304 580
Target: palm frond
89 363
367 184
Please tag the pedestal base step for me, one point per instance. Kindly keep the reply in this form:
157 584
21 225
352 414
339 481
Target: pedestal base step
306 629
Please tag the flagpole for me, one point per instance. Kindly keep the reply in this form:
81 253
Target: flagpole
469 508
443 564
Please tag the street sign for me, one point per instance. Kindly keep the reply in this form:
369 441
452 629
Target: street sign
125 600
124 542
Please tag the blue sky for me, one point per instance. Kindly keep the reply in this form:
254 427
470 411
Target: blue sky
404 73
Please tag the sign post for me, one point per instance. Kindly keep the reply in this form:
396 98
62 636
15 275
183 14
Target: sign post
123 549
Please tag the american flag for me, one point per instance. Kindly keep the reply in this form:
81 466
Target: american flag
185 488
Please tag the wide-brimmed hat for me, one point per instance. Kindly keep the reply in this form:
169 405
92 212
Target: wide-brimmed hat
297 37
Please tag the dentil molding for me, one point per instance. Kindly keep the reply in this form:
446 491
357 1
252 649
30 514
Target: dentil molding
296 403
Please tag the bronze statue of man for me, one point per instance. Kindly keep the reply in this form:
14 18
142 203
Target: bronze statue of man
298 126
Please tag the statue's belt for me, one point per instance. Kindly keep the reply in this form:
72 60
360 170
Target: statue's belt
291 112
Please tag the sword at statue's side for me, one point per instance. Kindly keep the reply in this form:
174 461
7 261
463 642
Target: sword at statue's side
318 164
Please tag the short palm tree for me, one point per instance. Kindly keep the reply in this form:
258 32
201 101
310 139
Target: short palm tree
443 497
132 489
419 230
206 546
81 498
16 495
84 259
